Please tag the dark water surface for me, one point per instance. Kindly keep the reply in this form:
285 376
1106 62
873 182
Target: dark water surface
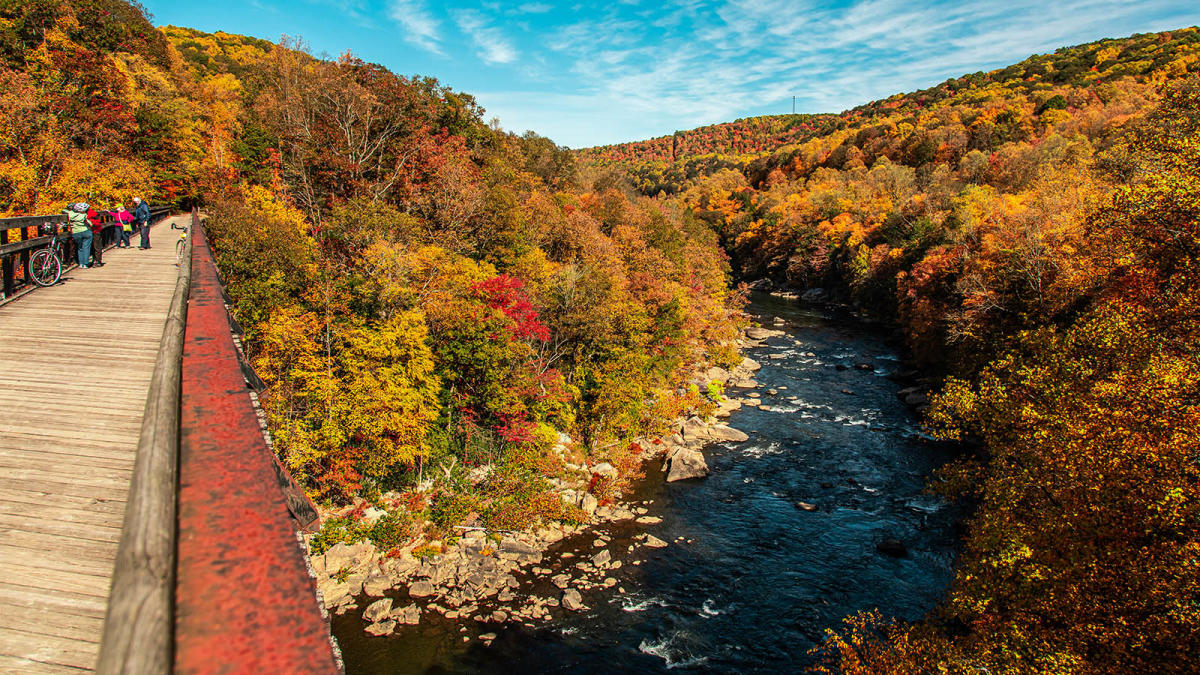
755 580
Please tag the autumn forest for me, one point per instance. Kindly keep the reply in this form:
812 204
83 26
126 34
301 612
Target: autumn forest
426 295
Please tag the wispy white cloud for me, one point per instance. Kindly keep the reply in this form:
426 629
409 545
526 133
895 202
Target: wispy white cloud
490 43
694 62
419 25
534 8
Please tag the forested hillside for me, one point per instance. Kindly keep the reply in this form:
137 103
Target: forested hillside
1034 233
447 315
424 295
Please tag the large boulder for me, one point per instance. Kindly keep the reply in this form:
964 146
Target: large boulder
815 295
694 429
410 615
605 469
588 503
572 600
654 542
378 610
334 594
722 433
727 406
381 628
339 557
750 365
420 589
716 374
759 333
376 585
686 463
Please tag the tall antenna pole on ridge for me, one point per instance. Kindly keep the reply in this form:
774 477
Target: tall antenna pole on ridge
793 105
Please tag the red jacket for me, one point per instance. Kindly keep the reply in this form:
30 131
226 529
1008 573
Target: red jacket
94 219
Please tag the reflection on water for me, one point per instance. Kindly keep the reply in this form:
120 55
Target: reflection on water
751 580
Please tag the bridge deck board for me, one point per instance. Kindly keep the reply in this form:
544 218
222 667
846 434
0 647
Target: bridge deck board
86 346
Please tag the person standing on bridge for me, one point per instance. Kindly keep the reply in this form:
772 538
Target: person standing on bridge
97 237
124 219
141 216
81 232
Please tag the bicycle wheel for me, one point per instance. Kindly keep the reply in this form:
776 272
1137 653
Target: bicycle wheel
179 247
45 268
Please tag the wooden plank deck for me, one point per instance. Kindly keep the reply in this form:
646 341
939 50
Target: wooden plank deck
75 366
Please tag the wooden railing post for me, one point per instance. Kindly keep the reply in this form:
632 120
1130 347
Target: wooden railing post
6 267
139 624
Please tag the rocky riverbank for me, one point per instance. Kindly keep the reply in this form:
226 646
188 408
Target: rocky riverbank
496 578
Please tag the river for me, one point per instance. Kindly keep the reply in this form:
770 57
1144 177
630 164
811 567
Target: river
750 581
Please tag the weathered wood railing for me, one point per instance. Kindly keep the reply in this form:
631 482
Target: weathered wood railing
19 237
137 625
209 576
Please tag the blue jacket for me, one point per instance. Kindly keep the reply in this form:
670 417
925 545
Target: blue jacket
142 213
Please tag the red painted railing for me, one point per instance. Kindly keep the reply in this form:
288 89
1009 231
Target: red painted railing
210 574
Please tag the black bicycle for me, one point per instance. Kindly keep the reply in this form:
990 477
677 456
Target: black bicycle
181 244
45 265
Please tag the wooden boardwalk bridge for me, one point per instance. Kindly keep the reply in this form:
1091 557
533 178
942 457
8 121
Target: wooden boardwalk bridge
78 362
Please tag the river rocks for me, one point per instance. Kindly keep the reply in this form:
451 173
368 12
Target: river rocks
892 547
588 503
601 558
716 374
864 366
420 589
334 594
605 469
805 506
759 333
572 600
743 383
376 585
410 615
815 295
513 549
722 433
694 429
727 406
653 542
381 628
648 520
380 609
356 558
686 463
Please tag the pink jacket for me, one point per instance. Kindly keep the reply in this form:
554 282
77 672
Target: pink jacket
122 216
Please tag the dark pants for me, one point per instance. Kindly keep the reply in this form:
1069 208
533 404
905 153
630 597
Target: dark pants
144 233
123 237
98 248
83 246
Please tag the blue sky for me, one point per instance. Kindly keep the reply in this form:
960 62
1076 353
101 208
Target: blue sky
623 70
